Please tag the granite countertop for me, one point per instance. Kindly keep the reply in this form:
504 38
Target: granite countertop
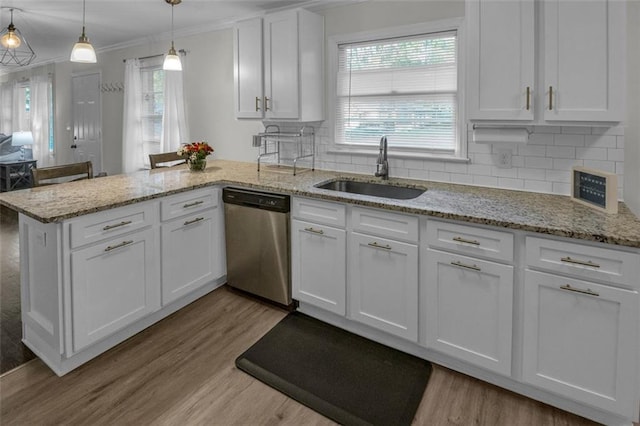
542 213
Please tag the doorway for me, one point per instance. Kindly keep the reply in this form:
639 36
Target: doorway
87 119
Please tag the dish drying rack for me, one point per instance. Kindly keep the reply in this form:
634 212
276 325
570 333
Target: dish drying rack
286 146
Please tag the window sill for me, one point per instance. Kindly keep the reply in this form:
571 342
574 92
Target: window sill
374 151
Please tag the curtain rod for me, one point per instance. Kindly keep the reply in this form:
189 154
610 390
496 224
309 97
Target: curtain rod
182 52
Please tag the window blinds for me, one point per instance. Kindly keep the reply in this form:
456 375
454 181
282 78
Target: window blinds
405 88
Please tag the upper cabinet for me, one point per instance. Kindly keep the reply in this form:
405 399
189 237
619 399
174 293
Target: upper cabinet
279 67
550 61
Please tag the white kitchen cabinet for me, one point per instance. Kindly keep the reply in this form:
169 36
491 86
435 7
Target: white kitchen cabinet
469 309
579 76
580 341
318 265
279 67
383 284
114 283
501 59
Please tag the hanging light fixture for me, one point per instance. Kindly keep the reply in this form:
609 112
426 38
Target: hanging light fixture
83 50
172 60
15 48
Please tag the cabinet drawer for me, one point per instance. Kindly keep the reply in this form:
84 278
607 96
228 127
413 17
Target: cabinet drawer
385 224
470 240
323 212
108 224
189 202
582 261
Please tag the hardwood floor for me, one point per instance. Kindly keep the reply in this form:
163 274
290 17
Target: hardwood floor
181 371
12 351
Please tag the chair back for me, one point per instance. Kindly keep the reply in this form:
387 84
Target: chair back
157 160
80 171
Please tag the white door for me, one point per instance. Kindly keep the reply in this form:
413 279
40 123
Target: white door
318 265
501 59
468 304
87 123
383 284
247 71
584 51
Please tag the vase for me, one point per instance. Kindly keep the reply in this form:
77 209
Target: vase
197 165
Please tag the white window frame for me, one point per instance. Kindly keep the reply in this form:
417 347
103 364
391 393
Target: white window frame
455 24
151 146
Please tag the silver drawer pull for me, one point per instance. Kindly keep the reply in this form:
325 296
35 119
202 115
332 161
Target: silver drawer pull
462 265
579 262
195 203
117 225
376 245
189 222
462 240
315 231
122 244
577 290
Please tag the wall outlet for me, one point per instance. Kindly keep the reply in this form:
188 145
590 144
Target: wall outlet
503 157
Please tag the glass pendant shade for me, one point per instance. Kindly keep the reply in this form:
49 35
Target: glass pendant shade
172 61
15 50
83 51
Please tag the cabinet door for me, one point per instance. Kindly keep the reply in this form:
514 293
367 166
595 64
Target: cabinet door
113 284
580 340
383 284
281 65
190 254
501 59
584 67
468 305
318 265
247 70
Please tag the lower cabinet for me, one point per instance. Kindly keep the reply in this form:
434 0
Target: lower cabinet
318 265
383 284
580 341
113 284
191 254
468 304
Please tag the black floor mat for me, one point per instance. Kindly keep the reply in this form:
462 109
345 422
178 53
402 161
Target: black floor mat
345 377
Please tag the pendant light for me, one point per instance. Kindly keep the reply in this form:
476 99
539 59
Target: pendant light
83 50
15 48
172 60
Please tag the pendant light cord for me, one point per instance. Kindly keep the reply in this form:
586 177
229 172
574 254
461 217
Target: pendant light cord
84 5
172 26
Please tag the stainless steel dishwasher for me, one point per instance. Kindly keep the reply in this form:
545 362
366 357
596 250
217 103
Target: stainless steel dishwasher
257 241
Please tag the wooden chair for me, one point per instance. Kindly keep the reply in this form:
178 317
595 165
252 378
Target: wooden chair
80 171
156 160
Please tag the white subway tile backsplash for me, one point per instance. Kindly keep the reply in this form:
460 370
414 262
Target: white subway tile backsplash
568 140
542 165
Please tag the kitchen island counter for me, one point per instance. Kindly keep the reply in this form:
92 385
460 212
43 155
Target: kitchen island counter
543 213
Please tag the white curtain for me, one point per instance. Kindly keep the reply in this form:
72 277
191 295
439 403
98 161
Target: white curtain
174 123
40 113
18 110
132 146
6 108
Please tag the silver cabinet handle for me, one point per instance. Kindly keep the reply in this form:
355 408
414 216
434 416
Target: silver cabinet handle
528 98
117 225
266 104
189 222
122 244
550 98
579 262
376 245
257 102
195 203
462 265
577 290
463 240
315 231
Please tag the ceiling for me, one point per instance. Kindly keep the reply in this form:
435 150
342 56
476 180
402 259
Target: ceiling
52 26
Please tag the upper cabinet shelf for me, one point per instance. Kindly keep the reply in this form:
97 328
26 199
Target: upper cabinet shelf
279 67
546 62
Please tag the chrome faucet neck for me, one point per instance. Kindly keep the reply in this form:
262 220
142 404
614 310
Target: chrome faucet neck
382 165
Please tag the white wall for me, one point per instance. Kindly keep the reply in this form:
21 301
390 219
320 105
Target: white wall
632 148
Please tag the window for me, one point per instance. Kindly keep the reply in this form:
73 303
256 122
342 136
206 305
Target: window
24 118
152 80
403 87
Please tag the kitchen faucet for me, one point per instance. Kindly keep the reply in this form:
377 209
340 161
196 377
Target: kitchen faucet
383 171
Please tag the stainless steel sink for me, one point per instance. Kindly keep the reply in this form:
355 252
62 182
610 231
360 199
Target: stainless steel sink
374 189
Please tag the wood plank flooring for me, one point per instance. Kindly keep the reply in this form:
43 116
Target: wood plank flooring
181 372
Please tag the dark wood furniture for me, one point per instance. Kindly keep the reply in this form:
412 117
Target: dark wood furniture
78 171
157 160
16 174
